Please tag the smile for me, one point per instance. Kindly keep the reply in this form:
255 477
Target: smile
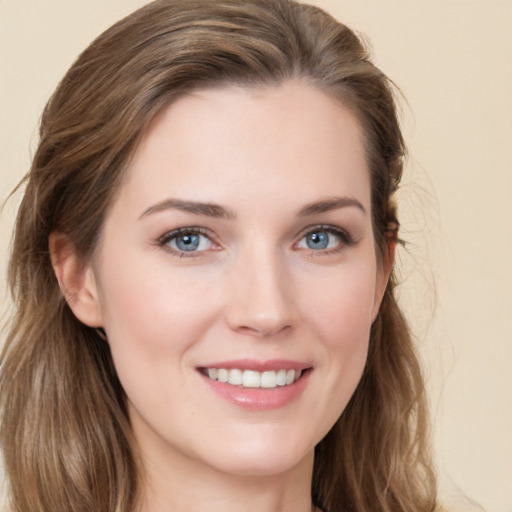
253 379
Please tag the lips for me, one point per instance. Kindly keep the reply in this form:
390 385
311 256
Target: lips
257 385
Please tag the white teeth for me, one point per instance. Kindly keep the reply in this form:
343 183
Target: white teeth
222 375
281 378
235 377
251 379
268 379
254 379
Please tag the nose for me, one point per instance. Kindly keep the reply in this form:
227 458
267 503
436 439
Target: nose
260 297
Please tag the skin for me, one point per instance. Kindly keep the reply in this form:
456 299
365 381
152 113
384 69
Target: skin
254 289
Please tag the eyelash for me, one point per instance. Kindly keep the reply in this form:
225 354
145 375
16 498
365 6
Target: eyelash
345 240
165 239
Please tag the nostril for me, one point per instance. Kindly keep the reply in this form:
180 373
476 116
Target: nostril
263 331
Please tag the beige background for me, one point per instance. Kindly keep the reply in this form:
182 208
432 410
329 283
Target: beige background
453 62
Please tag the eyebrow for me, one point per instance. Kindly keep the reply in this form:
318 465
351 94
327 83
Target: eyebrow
221 212
207 209
331 203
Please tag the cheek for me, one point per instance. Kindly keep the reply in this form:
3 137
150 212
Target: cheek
154 316
346 332
341 313
151 313
341 304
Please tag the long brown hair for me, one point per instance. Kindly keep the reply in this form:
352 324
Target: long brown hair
64 430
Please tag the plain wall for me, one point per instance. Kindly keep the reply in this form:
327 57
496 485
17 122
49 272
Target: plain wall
453 62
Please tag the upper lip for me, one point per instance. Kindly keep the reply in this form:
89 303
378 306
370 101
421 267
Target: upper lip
258 365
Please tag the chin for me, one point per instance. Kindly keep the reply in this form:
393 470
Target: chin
258 465
262 456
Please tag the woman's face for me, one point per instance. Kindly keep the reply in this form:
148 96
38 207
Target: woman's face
240 248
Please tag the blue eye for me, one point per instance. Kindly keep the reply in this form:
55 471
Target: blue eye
186 241
324 238
319 240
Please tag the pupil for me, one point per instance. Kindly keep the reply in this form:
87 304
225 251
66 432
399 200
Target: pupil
187 242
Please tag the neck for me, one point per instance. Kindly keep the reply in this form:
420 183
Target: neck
181 483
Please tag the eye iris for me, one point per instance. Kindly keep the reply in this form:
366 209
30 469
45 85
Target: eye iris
318 240
187 242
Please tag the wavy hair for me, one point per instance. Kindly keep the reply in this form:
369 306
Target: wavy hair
65 433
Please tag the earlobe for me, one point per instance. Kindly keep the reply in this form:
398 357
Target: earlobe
76 280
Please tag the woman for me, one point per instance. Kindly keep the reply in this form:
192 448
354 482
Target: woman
203 276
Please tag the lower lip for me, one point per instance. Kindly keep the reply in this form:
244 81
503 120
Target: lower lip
259 399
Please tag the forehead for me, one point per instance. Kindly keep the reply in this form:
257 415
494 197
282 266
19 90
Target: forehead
249 142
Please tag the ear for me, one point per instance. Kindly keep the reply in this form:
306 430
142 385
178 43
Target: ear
383 272
76 280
